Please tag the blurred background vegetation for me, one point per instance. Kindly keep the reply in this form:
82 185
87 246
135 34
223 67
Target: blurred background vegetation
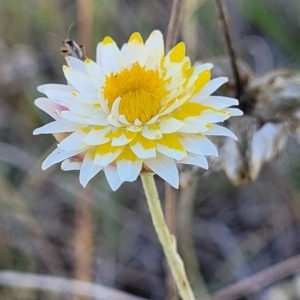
50 225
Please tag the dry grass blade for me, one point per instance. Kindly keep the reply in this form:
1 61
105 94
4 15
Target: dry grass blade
62 285
259 280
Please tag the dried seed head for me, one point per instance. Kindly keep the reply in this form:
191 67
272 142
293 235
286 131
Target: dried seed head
272 104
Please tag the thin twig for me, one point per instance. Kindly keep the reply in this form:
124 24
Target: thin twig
62 285
259 280
85 23
232 54
173 26
83 236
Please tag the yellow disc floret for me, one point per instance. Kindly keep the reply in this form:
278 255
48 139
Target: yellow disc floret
140 90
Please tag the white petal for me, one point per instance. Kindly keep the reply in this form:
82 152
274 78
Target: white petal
135 52
103 103
137 122
121 140
79 81
220 130
141 152
123 120
164 167
196 160
95 72
114 121
90 98
217 102
88 170
58 126
112 59
197 71
47 106
170 125
155 42
100 119
71 165
134 128
193 125
97 136
150 133
129 170
76 64
234 111
115 107
73 102
57 87
60 97
173 68
99 54
88 111
212 86
105 159
163 111
211 116
170 152
58 155
152 120
123 49
198 145
74 117
202 67
176 82
154 47
206 146
73 141
112 177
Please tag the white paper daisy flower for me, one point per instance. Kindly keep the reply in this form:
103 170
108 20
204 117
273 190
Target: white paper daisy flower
134 109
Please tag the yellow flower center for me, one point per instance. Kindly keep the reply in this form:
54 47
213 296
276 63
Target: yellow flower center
141 92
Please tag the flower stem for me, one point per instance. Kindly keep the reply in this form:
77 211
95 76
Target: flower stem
167 241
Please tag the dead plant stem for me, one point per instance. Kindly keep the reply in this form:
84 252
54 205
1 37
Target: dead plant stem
229 43
259 280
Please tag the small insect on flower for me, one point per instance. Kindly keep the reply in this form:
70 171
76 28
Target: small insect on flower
135 109
71 48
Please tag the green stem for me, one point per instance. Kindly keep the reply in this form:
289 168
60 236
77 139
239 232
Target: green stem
167 240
